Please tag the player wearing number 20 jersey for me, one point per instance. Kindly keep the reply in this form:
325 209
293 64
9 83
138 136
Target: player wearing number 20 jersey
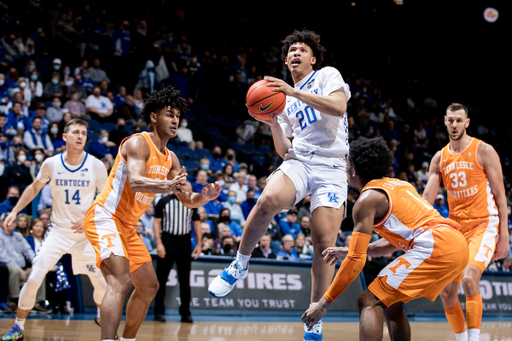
315 133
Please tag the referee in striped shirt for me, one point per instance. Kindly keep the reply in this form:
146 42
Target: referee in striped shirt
174 220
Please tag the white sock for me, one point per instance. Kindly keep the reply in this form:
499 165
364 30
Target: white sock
462 336
20 323
123 339
98 313
108 340
473 334
243 259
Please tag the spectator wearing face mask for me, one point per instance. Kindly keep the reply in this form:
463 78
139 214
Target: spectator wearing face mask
87 83
204 164
249 203
56 137
37 138
231 159
235 228
18 173
184 134
216 161
37 162
16 119
53 88
99 107
55 112
34 84
13 194
103 147
24 89
235 210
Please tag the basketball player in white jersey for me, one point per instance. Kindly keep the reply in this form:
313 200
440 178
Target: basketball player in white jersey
75 178
311 136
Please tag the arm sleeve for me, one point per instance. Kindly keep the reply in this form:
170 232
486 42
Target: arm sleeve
351 266
195 215
46 171
332 81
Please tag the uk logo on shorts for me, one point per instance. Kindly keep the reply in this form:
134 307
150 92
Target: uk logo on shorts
333 197
91 268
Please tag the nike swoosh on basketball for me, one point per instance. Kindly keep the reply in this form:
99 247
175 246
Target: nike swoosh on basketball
267 106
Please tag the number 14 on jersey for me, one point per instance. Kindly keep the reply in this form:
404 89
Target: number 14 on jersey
75 197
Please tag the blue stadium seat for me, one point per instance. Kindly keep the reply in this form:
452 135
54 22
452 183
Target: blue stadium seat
264 149
109 126
200 153
192 165
182 150
260 160
94 125
171 148
93 137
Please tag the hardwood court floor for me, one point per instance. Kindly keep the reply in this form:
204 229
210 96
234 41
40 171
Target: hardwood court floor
81 330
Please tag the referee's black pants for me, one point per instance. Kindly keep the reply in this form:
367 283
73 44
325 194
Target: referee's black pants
177 250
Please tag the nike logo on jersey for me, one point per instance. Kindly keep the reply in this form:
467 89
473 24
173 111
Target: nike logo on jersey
336 166
60 173
263 108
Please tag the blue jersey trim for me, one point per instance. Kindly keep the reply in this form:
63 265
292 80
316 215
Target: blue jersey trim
306 82
69 170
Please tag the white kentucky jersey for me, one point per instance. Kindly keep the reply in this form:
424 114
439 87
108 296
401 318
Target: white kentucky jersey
314 132
73 188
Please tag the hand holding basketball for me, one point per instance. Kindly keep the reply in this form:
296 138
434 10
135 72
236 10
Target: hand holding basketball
279 85
263 102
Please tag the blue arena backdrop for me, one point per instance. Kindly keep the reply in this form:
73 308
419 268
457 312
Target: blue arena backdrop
274 288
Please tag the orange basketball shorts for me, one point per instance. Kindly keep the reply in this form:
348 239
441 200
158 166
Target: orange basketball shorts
110 236
481 235
436 258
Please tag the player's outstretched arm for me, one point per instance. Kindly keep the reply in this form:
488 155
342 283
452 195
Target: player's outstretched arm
185 194
28 195
434 180
489 159
136 152
334 104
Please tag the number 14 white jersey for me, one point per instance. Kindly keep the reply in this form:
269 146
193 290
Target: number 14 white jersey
73 188
314 132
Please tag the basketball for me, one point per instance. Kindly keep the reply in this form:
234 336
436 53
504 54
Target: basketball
264 103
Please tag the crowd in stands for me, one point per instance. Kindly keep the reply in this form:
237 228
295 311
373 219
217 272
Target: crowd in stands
59 63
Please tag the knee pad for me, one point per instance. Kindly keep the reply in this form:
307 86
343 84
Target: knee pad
29 291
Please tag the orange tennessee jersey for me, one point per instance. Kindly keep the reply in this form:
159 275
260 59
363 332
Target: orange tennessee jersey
118 198
408 216
469 192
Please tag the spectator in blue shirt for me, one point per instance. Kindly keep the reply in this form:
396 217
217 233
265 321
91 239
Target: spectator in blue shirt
249 203
13 194
290 225
288 252
121 40
225 218
216 161
201 181
440 206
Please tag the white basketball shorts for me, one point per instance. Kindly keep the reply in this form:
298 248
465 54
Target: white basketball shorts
325 179
59 241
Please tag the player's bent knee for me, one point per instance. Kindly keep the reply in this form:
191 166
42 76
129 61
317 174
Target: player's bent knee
268 205
120 285
367 299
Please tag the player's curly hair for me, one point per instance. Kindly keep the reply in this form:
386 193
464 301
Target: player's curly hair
309 38
371 158
160 99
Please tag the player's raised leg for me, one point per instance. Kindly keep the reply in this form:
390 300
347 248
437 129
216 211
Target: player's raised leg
279 193
146 286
